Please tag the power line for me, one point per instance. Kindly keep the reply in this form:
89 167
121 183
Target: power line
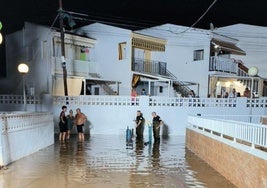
199 18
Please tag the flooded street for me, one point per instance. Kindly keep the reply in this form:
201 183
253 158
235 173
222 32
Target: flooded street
107 161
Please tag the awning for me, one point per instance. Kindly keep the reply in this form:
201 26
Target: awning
74 86
75 40
148 42
228 47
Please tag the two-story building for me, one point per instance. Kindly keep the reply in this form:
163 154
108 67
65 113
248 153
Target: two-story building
207 61
166 60
99 59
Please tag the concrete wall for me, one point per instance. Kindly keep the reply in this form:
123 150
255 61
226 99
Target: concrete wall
252 39
112 114
108 65
238 166
179 53
23 134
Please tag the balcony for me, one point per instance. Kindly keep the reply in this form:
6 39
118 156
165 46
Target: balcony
149 67
222 64
74 67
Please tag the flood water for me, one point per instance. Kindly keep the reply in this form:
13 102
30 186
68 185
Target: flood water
107 161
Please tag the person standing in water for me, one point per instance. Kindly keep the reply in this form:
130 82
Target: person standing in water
70 122
62 124
139 127
80 120
156 122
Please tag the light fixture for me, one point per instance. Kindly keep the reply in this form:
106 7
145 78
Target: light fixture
1 38
23 69
253 71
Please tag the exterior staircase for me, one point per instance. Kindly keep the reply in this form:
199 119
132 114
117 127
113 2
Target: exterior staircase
181 88
243 71
104 85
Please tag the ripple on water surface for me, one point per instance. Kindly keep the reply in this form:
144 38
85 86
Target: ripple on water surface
107 161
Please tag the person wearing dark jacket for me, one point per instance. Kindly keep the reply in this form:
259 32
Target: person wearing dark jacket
156 122
139 125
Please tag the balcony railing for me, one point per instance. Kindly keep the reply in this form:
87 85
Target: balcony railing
222 64
74 67
149 67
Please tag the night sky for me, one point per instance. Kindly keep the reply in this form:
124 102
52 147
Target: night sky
135 15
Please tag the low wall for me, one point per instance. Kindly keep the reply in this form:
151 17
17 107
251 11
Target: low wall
239 166
112 114
23 134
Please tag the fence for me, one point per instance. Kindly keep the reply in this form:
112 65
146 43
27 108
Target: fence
253 134
24 133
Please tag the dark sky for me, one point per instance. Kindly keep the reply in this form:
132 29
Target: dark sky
133 14
137 13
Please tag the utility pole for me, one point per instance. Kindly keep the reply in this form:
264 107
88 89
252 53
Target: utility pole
63 61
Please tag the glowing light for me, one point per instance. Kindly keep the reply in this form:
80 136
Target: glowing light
23 68
227 84
253 71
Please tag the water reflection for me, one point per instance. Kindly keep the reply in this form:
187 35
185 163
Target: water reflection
103 161
155 156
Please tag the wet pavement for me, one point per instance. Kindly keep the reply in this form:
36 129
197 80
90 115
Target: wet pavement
107 161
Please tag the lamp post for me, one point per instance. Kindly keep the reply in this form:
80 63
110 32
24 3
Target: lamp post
252 71
1 37
23 69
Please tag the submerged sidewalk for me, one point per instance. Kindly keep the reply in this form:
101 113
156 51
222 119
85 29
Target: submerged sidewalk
106 161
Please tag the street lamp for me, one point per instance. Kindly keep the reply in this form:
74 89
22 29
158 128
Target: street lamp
1 37
23 69
252 71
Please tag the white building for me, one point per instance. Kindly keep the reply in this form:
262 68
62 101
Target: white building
100 60
166 60
208 61
253 39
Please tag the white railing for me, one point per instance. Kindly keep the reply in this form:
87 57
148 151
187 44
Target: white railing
115 100
102 100
18 99
23 133
192 102
74 67
223 64
254 134
17 121
111 100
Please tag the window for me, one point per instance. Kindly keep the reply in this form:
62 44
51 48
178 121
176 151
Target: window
161 89
198 55
122 50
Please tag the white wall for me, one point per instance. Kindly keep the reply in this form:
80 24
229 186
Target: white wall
253 40
112 114
179 53
106 53
25 133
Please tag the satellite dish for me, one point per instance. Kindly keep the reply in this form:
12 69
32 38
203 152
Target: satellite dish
211 26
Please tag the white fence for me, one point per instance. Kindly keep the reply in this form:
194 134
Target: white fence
254 134
111 114
24 133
